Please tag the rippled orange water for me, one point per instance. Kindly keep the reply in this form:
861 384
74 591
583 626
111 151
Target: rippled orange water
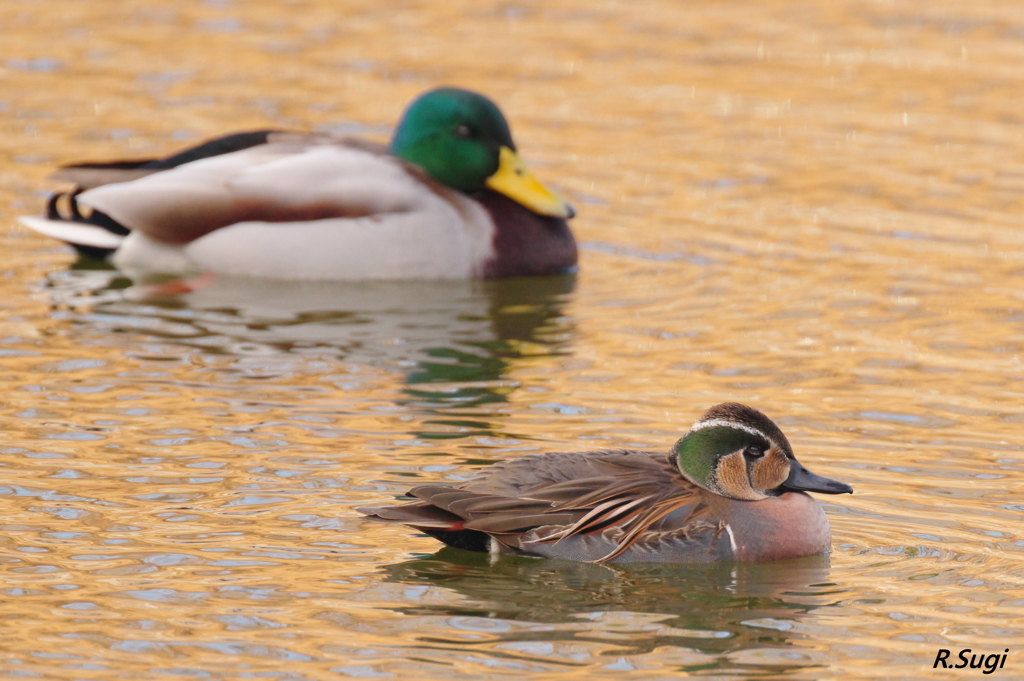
814 209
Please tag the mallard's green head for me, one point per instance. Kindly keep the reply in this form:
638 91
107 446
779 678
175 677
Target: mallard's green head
461 139
738 452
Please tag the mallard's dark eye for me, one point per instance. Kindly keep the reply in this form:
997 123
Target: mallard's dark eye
463 131
753 452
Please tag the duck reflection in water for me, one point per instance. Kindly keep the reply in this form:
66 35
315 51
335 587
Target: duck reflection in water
462 336
713 609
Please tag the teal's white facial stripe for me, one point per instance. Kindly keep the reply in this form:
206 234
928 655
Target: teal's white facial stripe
724 423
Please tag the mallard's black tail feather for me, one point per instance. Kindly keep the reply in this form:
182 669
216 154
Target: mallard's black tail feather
95 234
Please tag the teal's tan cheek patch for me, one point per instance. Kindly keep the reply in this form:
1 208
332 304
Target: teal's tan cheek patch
732 477
771 471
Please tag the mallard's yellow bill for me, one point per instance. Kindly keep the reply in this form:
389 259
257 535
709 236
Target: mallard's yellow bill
517 183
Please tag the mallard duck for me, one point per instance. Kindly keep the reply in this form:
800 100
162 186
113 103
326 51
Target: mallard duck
729 490
448 199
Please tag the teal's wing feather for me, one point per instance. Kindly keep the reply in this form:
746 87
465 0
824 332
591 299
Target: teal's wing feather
561 497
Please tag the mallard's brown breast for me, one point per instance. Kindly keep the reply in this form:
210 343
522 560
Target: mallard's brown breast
525 243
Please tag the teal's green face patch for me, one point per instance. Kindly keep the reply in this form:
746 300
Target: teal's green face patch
699 452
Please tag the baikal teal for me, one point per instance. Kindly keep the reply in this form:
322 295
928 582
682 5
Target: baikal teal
730 490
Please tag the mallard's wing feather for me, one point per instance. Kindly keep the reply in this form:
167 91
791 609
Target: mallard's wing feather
318 209
271 183
88 175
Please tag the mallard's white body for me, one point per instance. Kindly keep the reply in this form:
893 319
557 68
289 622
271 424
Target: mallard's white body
337 210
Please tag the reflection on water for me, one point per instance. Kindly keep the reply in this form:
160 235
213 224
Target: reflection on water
509 318
709 609
463 336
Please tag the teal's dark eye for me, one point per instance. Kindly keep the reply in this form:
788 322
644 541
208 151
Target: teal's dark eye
463 131
753 452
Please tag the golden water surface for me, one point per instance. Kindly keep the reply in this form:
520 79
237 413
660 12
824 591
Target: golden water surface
813 208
